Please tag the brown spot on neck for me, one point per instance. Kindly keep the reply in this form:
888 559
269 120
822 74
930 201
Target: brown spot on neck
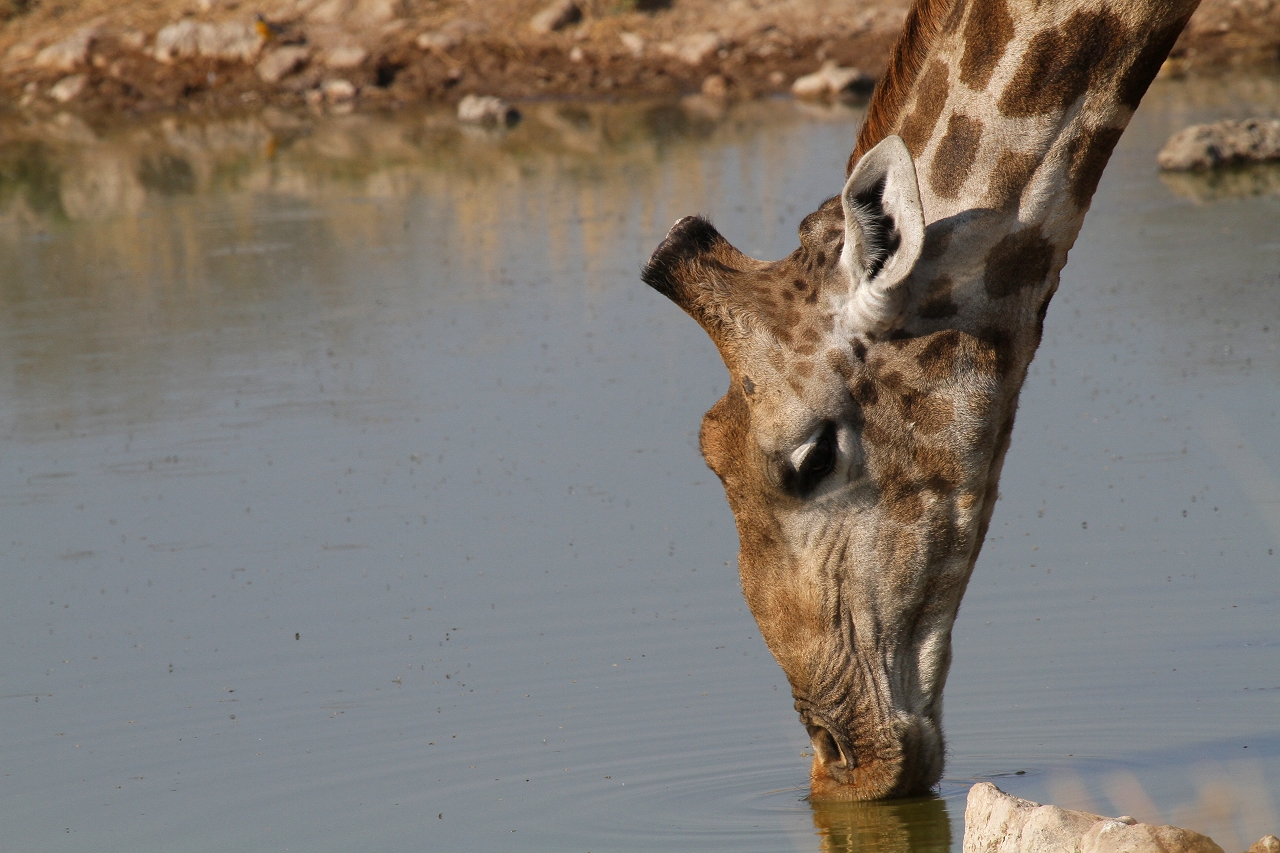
1090 152
1134 81
986 34
931 96
938 304
1010 177
954 158
1020 260
937 237
1061 63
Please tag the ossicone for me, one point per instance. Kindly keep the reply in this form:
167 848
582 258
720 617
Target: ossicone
694 267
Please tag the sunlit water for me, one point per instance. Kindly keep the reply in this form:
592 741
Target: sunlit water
351 496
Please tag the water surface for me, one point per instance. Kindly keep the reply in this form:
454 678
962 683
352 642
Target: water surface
351 495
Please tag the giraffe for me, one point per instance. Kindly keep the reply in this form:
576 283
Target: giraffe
875 371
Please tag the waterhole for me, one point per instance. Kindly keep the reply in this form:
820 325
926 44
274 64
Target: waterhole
351 495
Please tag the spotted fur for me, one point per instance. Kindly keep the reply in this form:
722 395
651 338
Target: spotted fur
862 464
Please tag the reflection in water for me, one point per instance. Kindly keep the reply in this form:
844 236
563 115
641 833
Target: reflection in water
918 825
1228 801
1227 183
159 227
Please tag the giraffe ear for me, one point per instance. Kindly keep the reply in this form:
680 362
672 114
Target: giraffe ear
883 234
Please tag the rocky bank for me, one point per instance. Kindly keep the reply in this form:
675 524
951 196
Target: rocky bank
225 55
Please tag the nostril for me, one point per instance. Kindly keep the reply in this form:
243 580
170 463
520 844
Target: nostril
825 746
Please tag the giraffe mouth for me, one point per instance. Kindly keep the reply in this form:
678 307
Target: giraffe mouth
904 760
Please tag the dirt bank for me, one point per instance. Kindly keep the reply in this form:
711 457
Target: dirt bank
219 55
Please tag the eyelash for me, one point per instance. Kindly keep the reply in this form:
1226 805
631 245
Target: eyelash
818 462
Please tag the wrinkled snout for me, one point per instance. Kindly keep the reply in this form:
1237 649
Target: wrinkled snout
901 758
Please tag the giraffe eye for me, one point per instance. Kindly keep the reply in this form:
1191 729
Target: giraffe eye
818 461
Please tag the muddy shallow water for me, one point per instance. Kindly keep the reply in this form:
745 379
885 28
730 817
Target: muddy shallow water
351 496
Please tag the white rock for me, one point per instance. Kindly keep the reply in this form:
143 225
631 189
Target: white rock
832 81
68 54
330 11
338 90
133 39
232 40
68 88
995 822
450 35
1265 844
1224 143
437 40
373 13
557 16
345 56
282 62
177 41
693 48
632 42
486 109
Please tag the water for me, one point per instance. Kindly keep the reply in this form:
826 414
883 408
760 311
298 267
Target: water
351 495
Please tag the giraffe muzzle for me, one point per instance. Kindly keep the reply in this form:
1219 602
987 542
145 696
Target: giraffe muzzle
901 759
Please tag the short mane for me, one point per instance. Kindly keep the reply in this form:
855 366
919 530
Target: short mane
922 26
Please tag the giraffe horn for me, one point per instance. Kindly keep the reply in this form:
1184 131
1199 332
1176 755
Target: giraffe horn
884 232
695 268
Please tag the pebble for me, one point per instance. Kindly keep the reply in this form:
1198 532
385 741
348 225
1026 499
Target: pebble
282 62
338 90
68 88
345 56
693 48
486 109
715 86
68 54
832 81
557 16
633 42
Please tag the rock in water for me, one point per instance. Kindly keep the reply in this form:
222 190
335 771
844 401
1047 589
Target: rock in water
995 822
486 109
1223 143
1265 844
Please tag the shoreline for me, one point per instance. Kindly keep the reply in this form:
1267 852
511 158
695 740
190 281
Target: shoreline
218 56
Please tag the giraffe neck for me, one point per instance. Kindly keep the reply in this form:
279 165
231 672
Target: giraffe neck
1011 109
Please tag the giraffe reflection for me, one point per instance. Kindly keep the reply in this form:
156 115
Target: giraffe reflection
919 825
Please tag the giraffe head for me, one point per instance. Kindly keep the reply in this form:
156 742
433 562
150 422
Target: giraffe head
856 461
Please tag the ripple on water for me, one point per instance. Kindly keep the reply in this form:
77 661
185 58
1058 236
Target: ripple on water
742 800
